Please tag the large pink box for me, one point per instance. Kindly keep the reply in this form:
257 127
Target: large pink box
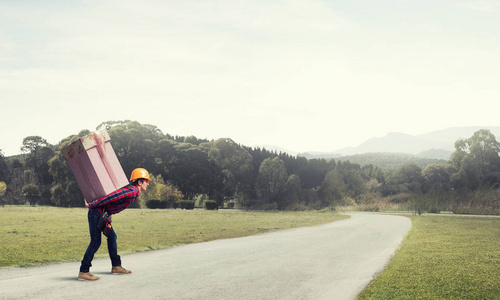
95 165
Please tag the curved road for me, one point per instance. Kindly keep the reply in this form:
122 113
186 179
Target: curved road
332 261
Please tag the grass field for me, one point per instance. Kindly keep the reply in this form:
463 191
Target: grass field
42 235
443 257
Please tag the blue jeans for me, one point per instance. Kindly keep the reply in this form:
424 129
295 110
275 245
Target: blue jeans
95 243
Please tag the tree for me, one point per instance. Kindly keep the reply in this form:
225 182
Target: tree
4 168
15 182
468 176
3 190
332 189
271 182
191 170
408 175
369 172
437 177
31 192
235 164
192 140
32 144
477 161
352 177
134 143
65 191
39 152
312 172
292 195
165 156
483 147
258 156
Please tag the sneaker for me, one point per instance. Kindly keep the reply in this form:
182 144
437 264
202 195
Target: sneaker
87 276
120 270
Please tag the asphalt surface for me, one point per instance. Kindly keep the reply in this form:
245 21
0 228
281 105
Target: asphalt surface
332 261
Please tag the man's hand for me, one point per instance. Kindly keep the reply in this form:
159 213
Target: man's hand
86 204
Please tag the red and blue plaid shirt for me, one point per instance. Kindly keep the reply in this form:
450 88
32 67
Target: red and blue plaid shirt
116 201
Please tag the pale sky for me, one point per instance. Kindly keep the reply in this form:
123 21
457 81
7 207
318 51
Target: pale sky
302 75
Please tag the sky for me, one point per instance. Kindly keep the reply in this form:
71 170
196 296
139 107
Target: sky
302 75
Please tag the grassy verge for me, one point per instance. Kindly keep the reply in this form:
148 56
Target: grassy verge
443 258
42 235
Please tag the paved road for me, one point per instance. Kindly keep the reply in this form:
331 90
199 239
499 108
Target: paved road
332 261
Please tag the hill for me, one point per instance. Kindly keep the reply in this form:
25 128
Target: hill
438 144
389 161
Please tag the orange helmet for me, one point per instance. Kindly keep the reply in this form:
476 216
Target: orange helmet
140 173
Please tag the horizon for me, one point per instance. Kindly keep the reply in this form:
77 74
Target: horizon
278 148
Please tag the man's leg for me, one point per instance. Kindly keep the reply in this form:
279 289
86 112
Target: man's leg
113 254
95 241
113 249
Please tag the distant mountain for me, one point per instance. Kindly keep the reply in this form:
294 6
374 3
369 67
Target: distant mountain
435 154
435 145
394 142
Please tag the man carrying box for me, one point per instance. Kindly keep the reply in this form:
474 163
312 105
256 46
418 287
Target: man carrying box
113 203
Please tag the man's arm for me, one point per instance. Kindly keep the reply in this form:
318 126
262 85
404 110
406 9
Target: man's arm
110 198
104 200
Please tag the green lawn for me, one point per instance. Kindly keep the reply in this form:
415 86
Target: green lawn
42 235
443 257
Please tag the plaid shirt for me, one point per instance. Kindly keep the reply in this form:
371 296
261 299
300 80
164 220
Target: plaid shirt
116 201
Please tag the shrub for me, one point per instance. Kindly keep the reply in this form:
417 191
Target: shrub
400 198
392 189
155 203
162 191
173 204
368 198
186 204
211 205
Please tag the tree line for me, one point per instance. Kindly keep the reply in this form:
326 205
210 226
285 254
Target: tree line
222 171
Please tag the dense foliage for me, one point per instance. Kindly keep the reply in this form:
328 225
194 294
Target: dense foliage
188 168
